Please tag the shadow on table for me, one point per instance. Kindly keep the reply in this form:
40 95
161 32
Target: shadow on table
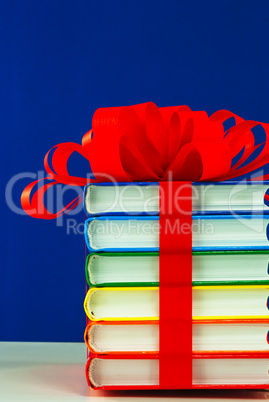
182 394
66 378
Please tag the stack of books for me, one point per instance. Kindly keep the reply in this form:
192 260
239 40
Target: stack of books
230 274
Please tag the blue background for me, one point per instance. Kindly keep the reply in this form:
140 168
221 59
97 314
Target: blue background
61 60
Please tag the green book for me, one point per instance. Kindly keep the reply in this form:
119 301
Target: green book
208 268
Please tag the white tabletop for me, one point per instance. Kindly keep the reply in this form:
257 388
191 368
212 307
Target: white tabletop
55 372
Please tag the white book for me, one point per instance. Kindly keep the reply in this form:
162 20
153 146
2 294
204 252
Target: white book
136 198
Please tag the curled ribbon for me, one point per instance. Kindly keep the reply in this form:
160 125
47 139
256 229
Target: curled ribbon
147 143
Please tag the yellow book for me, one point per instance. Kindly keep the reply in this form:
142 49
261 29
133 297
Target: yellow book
208 303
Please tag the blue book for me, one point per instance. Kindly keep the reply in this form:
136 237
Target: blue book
222 198
211 232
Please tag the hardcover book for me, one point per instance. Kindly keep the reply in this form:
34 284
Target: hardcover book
209 198
208 268
219 336
223 232
208 302
138 372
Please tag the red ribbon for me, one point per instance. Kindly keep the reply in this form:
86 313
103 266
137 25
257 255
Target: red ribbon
147 143
175 288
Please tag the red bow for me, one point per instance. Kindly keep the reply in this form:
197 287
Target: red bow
147 143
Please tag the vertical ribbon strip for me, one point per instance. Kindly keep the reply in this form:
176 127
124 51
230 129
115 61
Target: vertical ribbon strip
175 292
